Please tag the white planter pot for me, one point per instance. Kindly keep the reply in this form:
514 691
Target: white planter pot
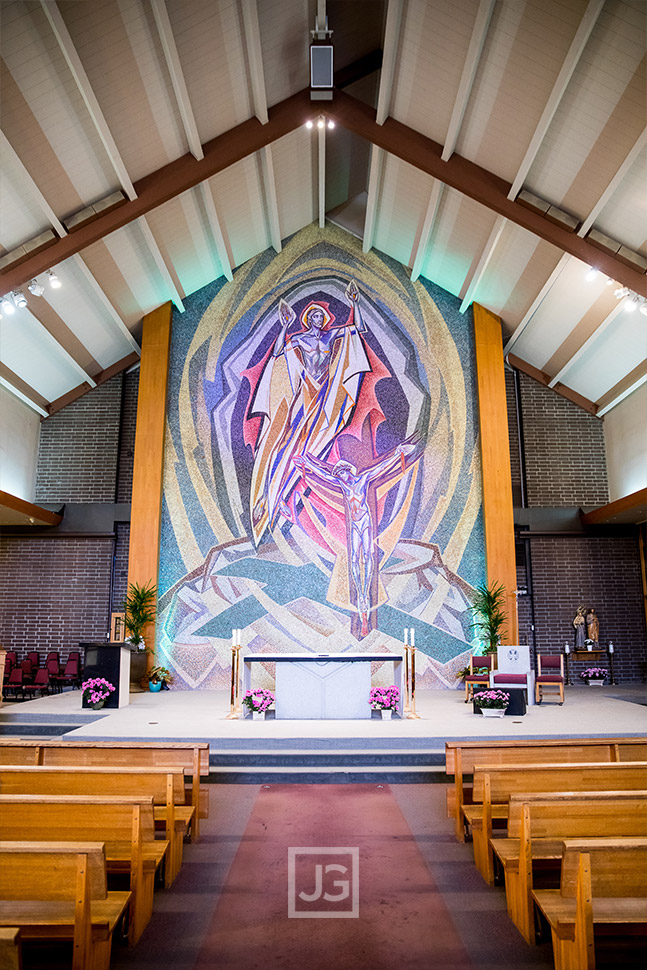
596 682
386 714
493 711
258 715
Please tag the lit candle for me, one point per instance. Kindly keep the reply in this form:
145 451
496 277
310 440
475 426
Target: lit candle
413 637
567 649
406 636
610 647
233 638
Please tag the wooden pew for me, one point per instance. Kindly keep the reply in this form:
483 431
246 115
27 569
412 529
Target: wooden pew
10 948
462 757
537 826
192 756
493 787
125 825
603 882
57 891
164 786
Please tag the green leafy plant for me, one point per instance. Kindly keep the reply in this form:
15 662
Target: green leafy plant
140 608
489 616
158 675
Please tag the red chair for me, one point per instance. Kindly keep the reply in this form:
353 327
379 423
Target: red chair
12 658
70 675
550 675
15 683
54 670
40 682
486 663
27 668
35 659
53 655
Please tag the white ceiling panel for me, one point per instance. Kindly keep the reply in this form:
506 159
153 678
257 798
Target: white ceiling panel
285 39
135 261
620 348
31 353
239 199
20 217
295 176
508 262
625 215
401 207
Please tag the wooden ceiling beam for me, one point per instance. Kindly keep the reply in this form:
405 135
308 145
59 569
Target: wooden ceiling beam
100 378
544 379
35 513
476 183
631 508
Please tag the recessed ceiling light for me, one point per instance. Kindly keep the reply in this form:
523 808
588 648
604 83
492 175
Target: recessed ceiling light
320 123
308 124
331 124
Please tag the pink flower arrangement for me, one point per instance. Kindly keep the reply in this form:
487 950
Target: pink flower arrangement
594 673
96 689
258 700
384 698
491 698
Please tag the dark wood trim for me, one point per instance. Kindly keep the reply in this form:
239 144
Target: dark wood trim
561 389
23 386
42 516
249 137
623 385
636 502
477 183
100 378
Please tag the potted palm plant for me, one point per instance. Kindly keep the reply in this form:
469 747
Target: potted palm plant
140 609
489 616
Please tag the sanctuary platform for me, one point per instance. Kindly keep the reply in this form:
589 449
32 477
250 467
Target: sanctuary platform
396 751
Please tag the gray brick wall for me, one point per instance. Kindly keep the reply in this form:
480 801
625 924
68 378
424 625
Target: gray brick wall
564 450
77 457
127 436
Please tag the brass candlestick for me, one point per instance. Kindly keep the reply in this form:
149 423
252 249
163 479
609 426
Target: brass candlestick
411 716
235 705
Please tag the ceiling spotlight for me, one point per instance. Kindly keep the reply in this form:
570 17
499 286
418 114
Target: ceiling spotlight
631 305
320 123
54 281
591 275
610 282
35 288
643 309
19 298
7 306
620 292
308 124
331 123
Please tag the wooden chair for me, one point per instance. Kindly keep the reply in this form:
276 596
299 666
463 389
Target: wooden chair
550 675
474 679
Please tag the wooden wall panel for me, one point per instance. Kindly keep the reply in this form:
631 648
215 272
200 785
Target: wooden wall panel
146 509
495 454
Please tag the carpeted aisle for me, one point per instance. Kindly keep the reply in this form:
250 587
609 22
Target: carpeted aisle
403 921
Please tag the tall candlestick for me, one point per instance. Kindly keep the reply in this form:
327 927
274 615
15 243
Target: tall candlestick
406 636
413 637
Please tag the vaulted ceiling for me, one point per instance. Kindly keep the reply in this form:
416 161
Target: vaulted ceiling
495 147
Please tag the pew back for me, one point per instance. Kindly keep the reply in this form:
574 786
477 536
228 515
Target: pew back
502 781
618 867
570 814
48 871
164 786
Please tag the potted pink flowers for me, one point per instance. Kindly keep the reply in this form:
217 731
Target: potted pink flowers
594 676
96 691
258 701
492 703
385 699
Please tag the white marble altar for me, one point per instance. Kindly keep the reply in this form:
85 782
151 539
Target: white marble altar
323 686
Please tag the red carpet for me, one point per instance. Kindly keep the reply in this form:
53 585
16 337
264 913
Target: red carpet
403 923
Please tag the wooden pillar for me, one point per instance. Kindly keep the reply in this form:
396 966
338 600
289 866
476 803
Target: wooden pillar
146 505
495 460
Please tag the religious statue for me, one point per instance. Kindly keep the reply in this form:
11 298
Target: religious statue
361 527
305 396
592 627
580 628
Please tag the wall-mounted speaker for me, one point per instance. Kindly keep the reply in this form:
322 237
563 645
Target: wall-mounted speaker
321 66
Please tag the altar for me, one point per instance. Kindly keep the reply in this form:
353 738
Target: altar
314 686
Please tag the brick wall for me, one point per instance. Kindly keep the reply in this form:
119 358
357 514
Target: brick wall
513 437
77 457
120 571
55 592
564 450
127 436
596 571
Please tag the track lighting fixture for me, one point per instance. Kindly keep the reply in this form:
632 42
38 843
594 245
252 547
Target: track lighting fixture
36 288
7 306
54 281
19 299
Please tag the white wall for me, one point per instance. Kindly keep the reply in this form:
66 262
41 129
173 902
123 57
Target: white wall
625 436
19 436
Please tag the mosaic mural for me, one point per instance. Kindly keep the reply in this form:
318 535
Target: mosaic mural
322 485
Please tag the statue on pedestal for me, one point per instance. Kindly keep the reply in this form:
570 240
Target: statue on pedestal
592 627
580 628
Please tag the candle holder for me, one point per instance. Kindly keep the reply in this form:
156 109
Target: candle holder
410 667
235 702
611 652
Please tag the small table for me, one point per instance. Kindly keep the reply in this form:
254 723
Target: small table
325 685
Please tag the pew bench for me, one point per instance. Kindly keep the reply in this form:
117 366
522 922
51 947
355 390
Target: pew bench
493 787
462 757
164 786
537 826
192 756
57 891
10 948
125 825
603 883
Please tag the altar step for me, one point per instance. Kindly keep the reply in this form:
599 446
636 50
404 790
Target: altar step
334 766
